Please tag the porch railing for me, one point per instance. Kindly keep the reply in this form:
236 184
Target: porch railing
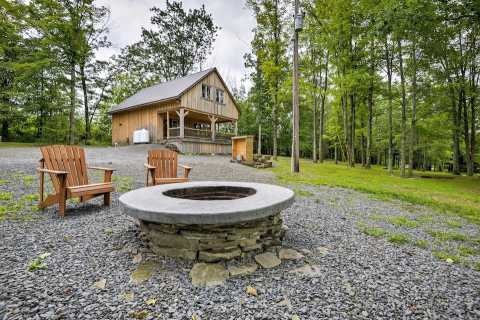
174 132
200 133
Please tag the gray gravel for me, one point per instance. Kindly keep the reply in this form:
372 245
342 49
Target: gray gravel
360 277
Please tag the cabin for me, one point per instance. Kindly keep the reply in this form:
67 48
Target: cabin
196 113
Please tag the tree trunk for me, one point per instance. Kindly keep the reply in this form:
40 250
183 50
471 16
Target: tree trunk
274 131
455 135
403 142
4 133
336 153
352 130
41 117
388 57
466 132
277 39
259 145
321 152
85 103
473 132
413 134
71 117
315 122
369 125
346 135
473 84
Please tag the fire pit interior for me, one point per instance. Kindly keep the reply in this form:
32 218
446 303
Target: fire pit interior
211 193
209 221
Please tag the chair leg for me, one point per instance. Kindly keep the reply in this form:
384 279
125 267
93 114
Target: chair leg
62 203
106 199
41 187
62 197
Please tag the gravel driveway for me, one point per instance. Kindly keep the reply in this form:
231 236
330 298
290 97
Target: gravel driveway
92 250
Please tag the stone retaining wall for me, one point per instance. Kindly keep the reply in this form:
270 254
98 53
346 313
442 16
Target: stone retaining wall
211 243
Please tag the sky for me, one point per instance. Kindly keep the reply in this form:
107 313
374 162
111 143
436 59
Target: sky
127 17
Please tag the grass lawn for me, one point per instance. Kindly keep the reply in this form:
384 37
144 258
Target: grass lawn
38 144
457 195
18 144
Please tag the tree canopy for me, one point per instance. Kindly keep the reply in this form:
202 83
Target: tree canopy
386 82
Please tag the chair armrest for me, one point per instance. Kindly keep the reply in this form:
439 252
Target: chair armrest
149 167
107 176
51 171
186 170
103 169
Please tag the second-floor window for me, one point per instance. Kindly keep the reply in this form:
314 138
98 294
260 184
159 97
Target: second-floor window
220 96
206 92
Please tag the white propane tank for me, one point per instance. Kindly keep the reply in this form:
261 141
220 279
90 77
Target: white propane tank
141 136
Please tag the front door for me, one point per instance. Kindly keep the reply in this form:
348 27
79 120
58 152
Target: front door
161 130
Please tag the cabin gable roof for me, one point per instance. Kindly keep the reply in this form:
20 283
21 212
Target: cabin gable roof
165 91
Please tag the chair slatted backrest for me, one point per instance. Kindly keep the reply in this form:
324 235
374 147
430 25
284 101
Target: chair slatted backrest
165 161
66 158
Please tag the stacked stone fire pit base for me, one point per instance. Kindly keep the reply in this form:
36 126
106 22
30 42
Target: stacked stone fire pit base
209 221
214 242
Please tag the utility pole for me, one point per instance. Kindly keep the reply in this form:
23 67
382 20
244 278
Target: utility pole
296 110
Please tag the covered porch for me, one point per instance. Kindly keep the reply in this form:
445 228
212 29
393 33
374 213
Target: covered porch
192 125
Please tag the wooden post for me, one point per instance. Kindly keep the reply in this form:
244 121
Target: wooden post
296 111
182 114
213 121
168 125
236 128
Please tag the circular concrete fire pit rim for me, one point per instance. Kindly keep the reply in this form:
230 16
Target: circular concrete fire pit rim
150 204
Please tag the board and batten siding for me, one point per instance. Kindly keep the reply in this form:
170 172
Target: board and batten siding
126 122
193 99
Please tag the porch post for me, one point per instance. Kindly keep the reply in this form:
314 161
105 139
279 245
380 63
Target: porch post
213 120
168 125
236 128
182 114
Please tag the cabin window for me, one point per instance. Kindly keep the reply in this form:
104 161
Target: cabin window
220 96
206 92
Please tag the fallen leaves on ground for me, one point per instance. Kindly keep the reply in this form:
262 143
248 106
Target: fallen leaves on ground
100 284
142 314
137 258
127 296
251 291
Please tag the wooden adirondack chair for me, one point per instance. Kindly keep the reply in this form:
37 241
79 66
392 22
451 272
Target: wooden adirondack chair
68 171
162 167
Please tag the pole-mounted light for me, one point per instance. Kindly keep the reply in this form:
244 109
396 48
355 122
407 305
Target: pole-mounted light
299 21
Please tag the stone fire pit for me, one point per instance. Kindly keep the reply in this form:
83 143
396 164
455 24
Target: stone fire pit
209 221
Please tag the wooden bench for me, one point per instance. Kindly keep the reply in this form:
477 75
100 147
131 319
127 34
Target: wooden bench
162 167
67 168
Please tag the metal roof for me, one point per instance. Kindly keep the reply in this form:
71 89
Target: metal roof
160 92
